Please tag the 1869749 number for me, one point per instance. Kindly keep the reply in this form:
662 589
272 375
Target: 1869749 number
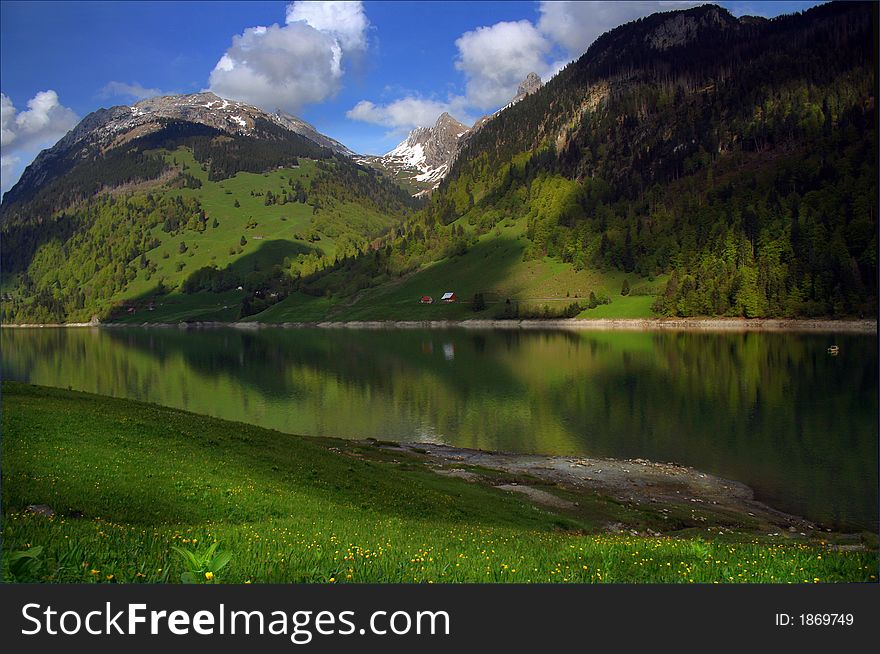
826 619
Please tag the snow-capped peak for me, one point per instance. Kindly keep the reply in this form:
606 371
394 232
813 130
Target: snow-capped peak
425 154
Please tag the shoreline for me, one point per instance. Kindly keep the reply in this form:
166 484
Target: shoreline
638 482
814 325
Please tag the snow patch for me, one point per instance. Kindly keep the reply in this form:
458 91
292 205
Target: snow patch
409 155
432 174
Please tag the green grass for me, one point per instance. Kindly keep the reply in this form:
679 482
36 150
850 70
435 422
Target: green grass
179 307
629 306
281 231
493 266
129 481
295 308
212 247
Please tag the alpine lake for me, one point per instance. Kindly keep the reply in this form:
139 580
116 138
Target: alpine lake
773 410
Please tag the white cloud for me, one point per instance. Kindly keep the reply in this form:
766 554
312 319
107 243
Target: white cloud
346 21
296 64
575 25
124 90
496 59
10 171
285 67
23 134
407 112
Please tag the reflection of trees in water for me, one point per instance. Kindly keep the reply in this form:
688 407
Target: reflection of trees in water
268 359
773 410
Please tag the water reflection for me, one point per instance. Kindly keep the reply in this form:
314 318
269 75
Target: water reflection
772 410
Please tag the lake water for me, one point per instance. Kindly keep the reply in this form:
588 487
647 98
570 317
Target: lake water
772 410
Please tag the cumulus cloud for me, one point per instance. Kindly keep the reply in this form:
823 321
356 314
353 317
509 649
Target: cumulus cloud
134 90
407 113
497 58
44 119
575 25
23 134
296 64
8 176
346 21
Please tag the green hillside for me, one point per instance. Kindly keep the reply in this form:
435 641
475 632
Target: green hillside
149 245
754 190
491 265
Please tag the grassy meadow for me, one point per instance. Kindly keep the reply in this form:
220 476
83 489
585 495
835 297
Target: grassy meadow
274 234
134 486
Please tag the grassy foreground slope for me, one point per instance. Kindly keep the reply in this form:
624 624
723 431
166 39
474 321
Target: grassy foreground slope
128 481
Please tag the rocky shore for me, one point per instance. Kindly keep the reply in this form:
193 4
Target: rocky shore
668 488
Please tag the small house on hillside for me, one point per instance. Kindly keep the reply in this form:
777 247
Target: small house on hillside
426 299
449 297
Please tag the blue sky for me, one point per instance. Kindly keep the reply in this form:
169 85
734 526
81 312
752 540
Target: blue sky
362 72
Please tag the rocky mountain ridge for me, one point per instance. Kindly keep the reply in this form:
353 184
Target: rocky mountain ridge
106 129
423 159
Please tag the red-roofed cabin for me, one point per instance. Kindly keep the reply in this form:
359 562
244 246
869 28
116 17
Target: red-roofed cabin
449 297
426 299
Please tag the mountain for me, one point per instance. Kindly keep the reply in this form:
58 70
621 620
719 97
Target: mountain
307 130
528 86
690 163
725 165
106 129
181 195
422 160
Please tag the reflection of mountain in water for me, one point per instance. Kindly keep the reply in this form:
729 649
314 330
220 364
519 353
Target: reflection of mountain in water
772 410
